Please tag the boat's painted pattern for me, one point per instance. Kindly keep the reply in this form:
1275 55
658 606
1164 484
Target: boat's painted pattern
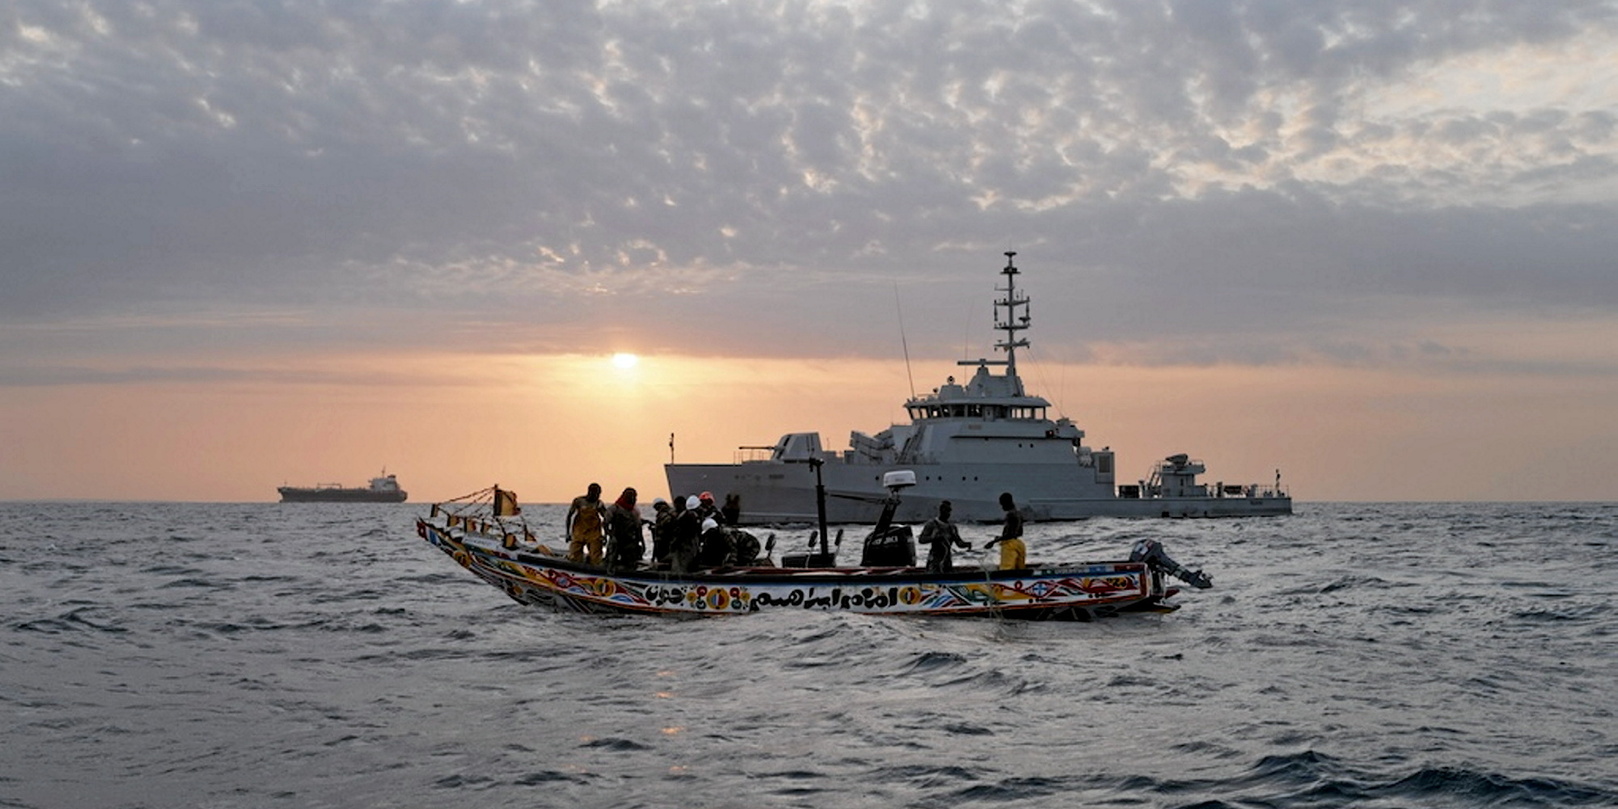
538 576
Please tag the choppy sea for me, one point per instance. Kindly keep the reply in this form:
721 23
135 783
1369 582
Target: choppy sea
264 655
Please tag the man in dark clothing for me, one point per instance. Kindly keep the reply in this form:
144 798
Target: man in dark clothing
747 547
662 531
627 545
718 549
687 538
940 534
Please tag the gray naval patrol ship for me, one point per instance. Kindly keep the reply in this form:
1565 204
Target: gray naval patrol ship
967 443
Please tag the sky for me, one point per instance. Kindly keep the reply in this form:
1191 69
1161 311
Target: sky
1372 245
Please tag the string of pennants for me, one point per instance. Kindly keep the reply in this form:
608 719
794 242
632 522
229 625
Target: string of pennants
503 503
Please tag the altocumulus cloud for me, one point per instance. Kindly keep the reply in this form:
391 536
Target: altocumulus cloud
1271 175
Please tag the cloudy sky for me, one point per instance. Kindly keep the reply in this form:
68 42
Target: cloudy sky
244 243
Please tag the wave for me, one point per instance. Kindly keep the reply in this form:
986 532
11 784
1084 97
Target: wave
1358 655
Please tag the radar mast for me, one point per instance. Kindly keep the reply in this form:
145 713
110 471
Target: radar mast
1013 322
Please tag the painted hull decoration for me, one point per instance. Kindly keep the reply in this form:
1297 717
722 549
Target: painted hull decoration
503 551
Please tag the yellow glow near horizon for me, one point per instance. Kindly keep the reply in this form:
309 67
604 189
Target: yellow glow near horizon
547 425
625 361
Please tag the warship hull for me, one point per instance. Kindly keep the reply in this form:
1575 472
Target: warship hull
784 492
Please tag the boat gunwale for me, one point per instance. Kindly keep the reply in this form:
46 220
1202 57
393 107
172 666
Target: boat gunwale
490 545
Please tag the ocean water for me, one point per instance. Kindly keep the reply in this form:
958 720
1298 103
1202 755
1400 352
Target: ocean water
1352 655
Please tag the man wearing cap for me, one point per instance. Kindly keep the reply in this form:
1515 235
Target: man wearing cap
662 530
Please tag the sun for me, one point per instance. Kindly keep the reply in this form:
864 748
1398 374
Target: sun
625 361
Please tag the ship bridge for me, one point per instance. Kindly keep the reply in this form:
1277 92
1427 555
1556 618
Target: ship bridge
989 421
987 395
984 396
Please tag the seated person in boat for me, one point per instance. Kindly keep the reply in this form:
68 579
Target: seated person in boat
939 534
747 547
718 548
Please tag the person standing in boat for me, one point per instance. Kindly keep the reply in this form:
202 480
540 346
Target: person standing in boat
939 534
584 518
687 539
1013 553
627 545
662 531
706 508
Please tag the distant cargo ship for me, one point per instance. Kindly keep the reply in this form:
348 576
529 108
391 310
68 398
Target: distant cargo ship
383 489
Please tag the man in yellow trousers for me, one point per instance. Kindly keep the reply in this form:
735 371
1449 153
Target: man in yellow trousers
1013 553
584 523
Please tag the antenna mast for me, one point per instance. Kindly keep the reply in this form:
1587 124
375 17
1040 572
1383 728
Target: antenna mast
903 341
1013 322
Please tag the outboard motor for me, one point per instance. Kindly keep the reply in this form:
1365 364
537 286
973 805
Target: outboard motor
1151 552
890 545
894 548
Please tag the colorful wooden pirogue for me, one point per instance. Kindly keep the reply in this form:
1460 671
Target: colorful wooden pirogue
485 534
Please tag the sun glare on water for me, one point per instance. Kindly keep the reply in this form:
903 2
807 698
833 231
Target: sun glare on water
625 361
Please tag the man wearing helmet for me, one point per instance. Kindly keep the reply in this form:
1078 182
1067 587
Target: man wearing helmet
687 538
706 508
718 549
